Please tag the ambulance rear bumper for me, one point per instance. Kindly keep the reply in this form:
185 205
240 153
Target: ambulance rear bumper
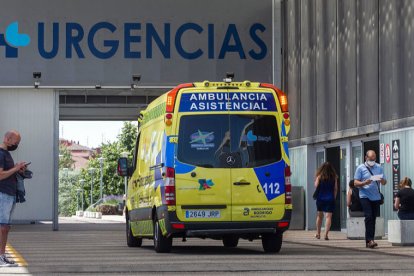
210 229
220 232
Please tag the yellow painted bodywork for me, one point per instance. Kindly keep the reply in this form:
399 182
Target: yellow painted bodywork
144 193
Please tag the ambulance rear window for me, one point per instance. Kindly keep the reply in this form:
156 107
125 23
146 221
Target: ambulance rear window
228 141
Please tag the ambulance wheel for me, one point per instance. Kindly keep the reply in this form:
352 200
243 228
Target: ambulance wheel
230 241
272 242
162 244
131 240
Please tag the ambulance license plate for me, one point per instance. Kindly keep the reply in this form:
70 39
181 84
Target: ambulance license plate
202 214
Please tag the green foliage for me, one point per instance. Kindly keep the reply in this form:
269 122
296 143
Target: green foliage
111 152
68 185
65 159
128 136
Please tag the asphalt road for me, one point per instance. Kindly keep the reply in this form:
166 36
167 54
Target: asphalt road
100 248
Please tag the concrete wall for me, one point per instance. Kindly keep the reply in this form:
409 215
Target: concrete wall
32 113
348 67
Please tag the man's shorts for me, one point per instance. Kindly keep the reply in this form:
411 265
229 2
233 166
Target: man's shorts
7 203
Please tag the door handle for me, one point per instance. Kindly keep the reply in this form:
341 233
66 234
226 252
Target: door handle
240 183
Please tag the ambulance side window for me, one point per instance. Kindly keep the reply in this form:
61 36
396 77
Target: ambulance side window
135 159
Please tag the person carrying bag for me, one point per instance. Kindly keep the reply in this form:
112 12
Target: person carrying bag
369 193
353 201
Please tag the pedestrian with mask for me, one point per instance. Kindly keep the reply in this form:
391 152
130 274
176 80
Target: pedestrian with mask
369 193
8 189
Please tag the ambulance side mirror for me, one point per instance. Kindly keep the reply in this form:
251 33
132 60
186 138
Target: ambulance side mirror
123 169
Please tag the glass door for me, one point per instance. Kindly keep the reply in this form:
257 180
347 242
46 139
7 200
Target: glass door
356 158
320 158
343 183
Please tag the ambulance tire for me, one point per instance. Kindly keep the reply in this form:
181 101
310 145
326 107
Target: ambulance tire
272 243
162 244
131 240
230 241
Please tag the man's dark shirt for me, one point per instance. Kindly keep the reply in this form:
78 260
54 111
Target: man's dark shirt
8 185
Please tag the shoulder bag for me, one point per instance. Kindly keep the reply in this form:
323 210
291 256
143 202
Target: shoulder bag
316 192
382 196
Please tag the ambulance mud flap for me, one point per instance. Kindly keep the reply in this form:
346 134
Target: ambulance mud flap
164 219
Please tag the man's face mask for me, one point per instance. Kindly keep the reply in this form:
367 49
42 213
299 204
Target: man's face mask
12 147
370 163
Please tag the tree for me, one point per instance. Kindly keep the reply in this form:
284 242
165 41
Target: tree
67 182
65 158
111 152
68 185
128 136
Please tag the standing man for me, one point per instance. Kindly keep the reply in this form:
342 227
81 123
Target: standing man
369 194
8 189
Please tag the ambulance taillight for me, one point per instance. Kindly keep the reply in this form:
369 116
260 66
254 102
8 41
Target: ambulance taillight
169 186
288 186
168 119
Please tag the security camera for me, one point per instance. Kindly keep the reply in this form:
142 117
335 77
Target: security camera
37 76
136 77
229 77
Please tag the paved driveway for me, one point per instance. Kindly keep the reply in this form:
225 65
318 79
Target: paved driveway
95 248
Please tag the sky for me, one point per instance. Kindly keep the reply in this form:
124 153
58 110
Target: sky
90 133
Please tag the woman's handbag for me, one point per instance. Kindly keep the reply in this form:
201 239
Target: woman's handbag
316 192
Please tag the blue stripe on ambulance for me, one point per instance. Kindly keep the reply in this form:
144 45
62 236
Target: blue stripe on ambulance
286 148
283 129
285 144
273 185
181 168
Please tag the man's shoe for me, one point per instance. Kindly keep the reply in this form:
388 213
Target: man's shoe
371 244
3 263
6 262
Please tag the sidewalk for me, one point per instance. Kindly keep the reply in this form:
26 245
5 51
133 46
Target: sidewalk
339 240
105 219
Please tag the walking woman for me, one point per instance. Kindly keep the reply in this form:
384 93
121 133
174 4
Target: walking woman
326 184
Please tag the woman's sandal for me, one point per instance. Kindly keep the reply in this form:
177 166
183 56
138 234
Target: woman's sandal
326 238
318 236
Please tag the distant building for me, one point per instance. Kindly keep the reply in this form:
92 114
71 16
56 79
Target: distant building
80 154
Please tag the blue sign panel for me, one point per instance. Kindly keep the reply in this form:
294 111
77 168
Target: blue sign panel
223 101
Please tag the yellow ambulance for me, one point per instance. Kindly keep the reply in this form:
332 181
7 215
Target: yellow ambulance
211 161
